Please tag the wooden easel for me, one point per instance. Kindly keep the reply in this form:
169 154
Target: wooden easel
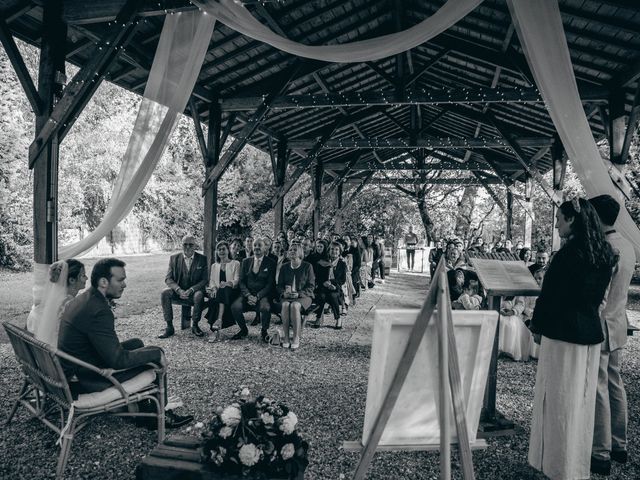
448 376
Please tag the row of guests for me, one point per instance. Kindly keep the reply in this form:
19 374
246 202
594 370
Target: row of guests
285 282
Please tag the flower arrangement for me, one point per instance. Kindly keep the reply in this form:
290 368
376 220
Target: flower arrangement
255 438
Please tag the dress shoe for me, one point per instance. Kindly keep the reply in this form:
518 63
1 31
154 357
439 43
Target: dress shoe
295 345
256 321
338 324
173 420
601 467
185 324
196 331
619 456
241 334
168 332
265 337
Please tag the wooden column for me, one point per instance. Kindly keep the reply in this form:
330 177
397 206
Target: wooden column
617 126
211 194
45 170
317 198
338 226
280 172
528 204
509 229
559 167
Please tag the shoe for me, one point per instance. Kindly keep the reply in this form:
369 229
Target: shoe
285 345
295 345
168 332
185 325
241 334
173 420
265 337
196 331
338 324
318 322
256 321
619 456
214 328
601 467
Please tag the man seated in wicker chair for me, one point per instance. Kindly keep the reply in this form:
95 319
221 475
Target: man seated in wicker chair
87 332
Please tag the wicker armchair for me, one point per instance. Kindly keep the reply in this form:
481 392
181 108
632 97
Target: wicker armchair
45 390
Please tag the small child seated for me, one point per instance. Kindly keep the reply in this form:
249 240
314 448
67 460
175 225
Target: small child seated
469 300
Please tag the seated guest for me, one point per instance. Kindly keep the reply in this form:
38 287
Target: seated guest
525 255
453 258
246 252
257 285
66 279
457 280
296 284
307 247
356 259
186 279
331 274
434 257
267 248
281 236
235 250
469 300
87 332
366 263
320 253
222 288
542 260
280 250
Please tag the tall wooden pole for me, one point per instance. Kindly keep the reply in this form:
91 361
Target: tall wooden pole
338 226
211 195
528 204
317 197
509 228
45 171
279 177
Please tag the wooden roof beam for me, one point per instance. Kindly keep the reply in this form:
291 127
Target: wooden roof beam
80 12
423 97
430 143
363 183
250 127
433 181
85 82
20 68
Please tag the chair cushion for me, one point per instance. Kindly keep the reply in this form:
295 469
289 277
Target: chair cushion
133 385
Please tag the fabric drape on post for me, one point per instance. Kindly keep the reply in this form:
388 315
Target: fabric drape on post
237 17
181 49
541 33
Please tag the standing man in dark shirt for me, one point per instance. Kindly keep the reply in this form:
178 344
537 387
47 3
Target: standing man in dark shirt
410 242
257 285
186 280
87 332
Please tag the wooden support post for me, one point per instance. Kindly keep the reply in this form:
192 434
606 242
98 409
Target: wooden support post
559 168
45 171
617 125
282 160
211 194
338 226
317 198
509 214
528 204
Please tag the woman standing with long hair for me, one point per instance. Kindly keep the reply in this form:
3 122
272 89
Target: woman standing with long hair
567 317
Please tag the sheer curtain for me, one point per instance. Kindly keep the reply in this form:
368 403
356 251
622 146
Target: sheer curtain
236 16
541 33
181 49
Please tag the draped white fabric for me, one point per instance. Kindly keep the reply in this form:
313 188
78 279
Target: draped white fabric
541 33
237 17
181 49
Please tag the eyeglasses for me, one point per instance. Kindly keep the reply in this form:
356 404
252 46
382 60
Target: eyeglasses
188 244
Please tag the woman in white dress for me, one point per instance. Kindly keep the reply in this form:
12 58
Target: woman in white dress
566 315
66 279
223 288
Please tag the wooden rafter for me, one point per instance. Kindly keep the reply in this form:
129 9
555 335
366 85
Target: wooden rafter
20 68
434 181
423 97
85 82
250 127
428 142
364 182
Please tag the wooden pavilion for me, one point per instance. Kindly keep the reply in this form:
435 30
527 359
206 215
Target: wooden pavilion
464 101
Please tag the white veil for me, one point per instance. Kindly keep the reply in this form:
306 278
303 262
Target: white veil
45 326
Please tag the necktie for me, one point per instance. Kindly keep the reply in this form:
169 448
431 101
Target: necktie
187 261
256 265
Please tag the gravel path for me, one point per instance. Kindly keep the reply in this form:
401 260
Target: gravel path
325 383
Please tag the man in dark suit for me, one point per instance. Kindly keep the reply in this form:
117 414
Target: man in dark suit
542 260
87 332
257 285
186 278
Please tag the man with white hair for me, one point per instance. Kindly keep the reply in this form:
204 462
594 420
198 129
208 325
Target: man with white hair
186 280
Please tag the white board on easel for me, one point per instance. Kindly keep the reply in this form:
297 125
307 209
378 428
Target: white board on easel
414 418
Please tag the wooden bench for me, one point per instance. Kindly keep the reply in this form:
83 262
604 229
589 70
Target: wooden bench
45 391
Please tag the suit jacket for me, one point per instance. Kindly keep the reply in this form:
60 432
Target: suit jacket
304 277
178 277
87 332
614 313
339 275
261 284
232 274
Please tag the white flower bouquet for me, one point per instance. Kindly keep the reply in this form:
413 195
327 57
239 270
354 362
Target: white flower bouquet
255 438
